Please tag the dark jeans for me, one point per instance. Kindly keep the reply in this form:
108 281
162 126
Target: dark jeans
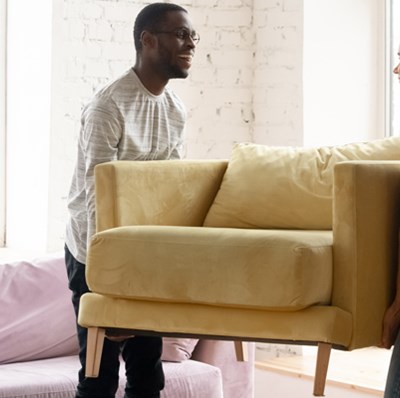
392 389
144 373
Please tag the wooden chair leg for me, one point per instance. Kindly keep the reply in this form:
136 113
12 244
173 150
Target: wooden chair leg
242 353
324 352
95 341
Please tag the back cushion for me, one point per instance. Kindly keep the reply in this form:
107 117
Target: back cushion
37 317
177 349
286 187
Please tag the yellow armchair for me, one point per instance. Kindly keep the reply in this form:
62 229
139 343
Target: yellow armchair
183 248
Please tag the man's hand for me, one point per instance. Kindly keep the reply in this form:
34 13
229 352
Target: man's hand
391 325
119 335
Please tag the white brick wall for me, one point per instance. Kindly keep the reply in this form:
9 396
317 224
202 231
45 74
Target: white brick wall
277 84
245 84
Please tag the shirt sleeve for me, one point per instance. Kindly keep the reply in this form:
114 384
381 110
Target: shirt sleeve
100 136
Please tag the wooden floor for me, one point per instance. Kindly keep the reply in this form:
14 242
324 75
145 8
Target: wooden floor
362 370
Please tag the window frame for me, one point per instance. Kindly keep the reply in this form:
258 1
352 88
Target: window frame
3 119
391 57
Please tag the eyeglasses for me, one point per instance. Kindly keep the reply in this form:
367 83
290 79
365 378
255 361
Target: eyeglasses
182 33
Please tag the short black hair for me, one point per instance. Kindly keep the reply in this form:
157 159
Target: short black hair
150 18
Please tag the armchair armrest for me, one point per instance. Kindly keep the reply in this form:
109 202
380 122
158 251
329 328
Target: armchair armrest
366 209
164 192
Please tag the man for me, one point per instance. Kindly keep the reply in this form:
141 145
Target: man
136 117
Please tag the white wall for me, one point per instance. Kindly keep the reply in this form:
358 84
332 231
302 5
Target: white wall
278 65
344 72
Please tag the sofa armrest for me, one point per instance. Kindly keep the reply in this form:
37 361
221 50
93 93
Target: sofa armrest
164 192
366 209
237 375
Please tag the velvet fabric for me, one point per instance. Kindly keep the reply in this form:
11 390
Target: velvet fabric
133 199
216 266
365 216
365 233
286 187
316 323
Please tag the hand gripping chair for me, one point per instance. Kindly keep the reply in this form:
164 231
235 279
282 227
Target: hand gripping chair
171 257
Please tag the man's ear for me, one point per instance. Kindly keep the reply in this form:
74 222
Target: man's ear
148 40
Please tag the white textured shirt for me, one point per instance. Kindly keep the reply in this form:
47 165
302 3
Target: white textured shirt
123 121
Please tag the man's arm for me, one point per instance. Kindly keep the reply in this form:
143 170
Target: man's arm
391 320
100 138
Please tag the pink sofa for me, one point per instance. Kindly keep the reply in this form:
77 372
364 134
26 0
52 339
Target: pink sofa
38 343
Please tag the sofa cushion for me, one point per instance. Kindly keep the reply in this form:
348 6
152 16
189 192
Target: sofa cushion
286 187
37 317
177 349
268 269
58 377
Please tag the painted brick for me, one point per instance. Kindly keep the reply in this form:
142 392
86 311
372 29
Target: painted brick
123 32
80 89
236 115
97 68
233 58
284 19
71 10
119 67
76 29
235 76
234 18
118 51
92 11
120 13
271 76
75 68
234 3
100 30
293 5
262 5
83 49
230 38
205 4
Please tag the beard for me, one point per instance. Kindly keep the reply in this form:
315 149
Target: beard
174 72
168 66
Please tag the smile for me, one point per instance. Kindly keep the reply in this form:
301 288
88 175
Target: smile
187 58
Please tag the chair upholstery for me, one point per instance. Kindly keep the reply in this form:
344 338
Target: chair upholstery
327 283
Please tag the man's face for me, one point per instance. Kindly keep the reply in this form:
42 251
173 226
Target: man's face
175 46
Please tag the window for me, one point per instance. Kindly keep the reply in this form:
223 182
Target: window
393 86
343 71
3 90
25 78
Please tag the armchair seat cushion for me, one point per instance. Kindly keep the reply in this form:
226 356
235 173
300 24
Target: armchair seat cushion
281 270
